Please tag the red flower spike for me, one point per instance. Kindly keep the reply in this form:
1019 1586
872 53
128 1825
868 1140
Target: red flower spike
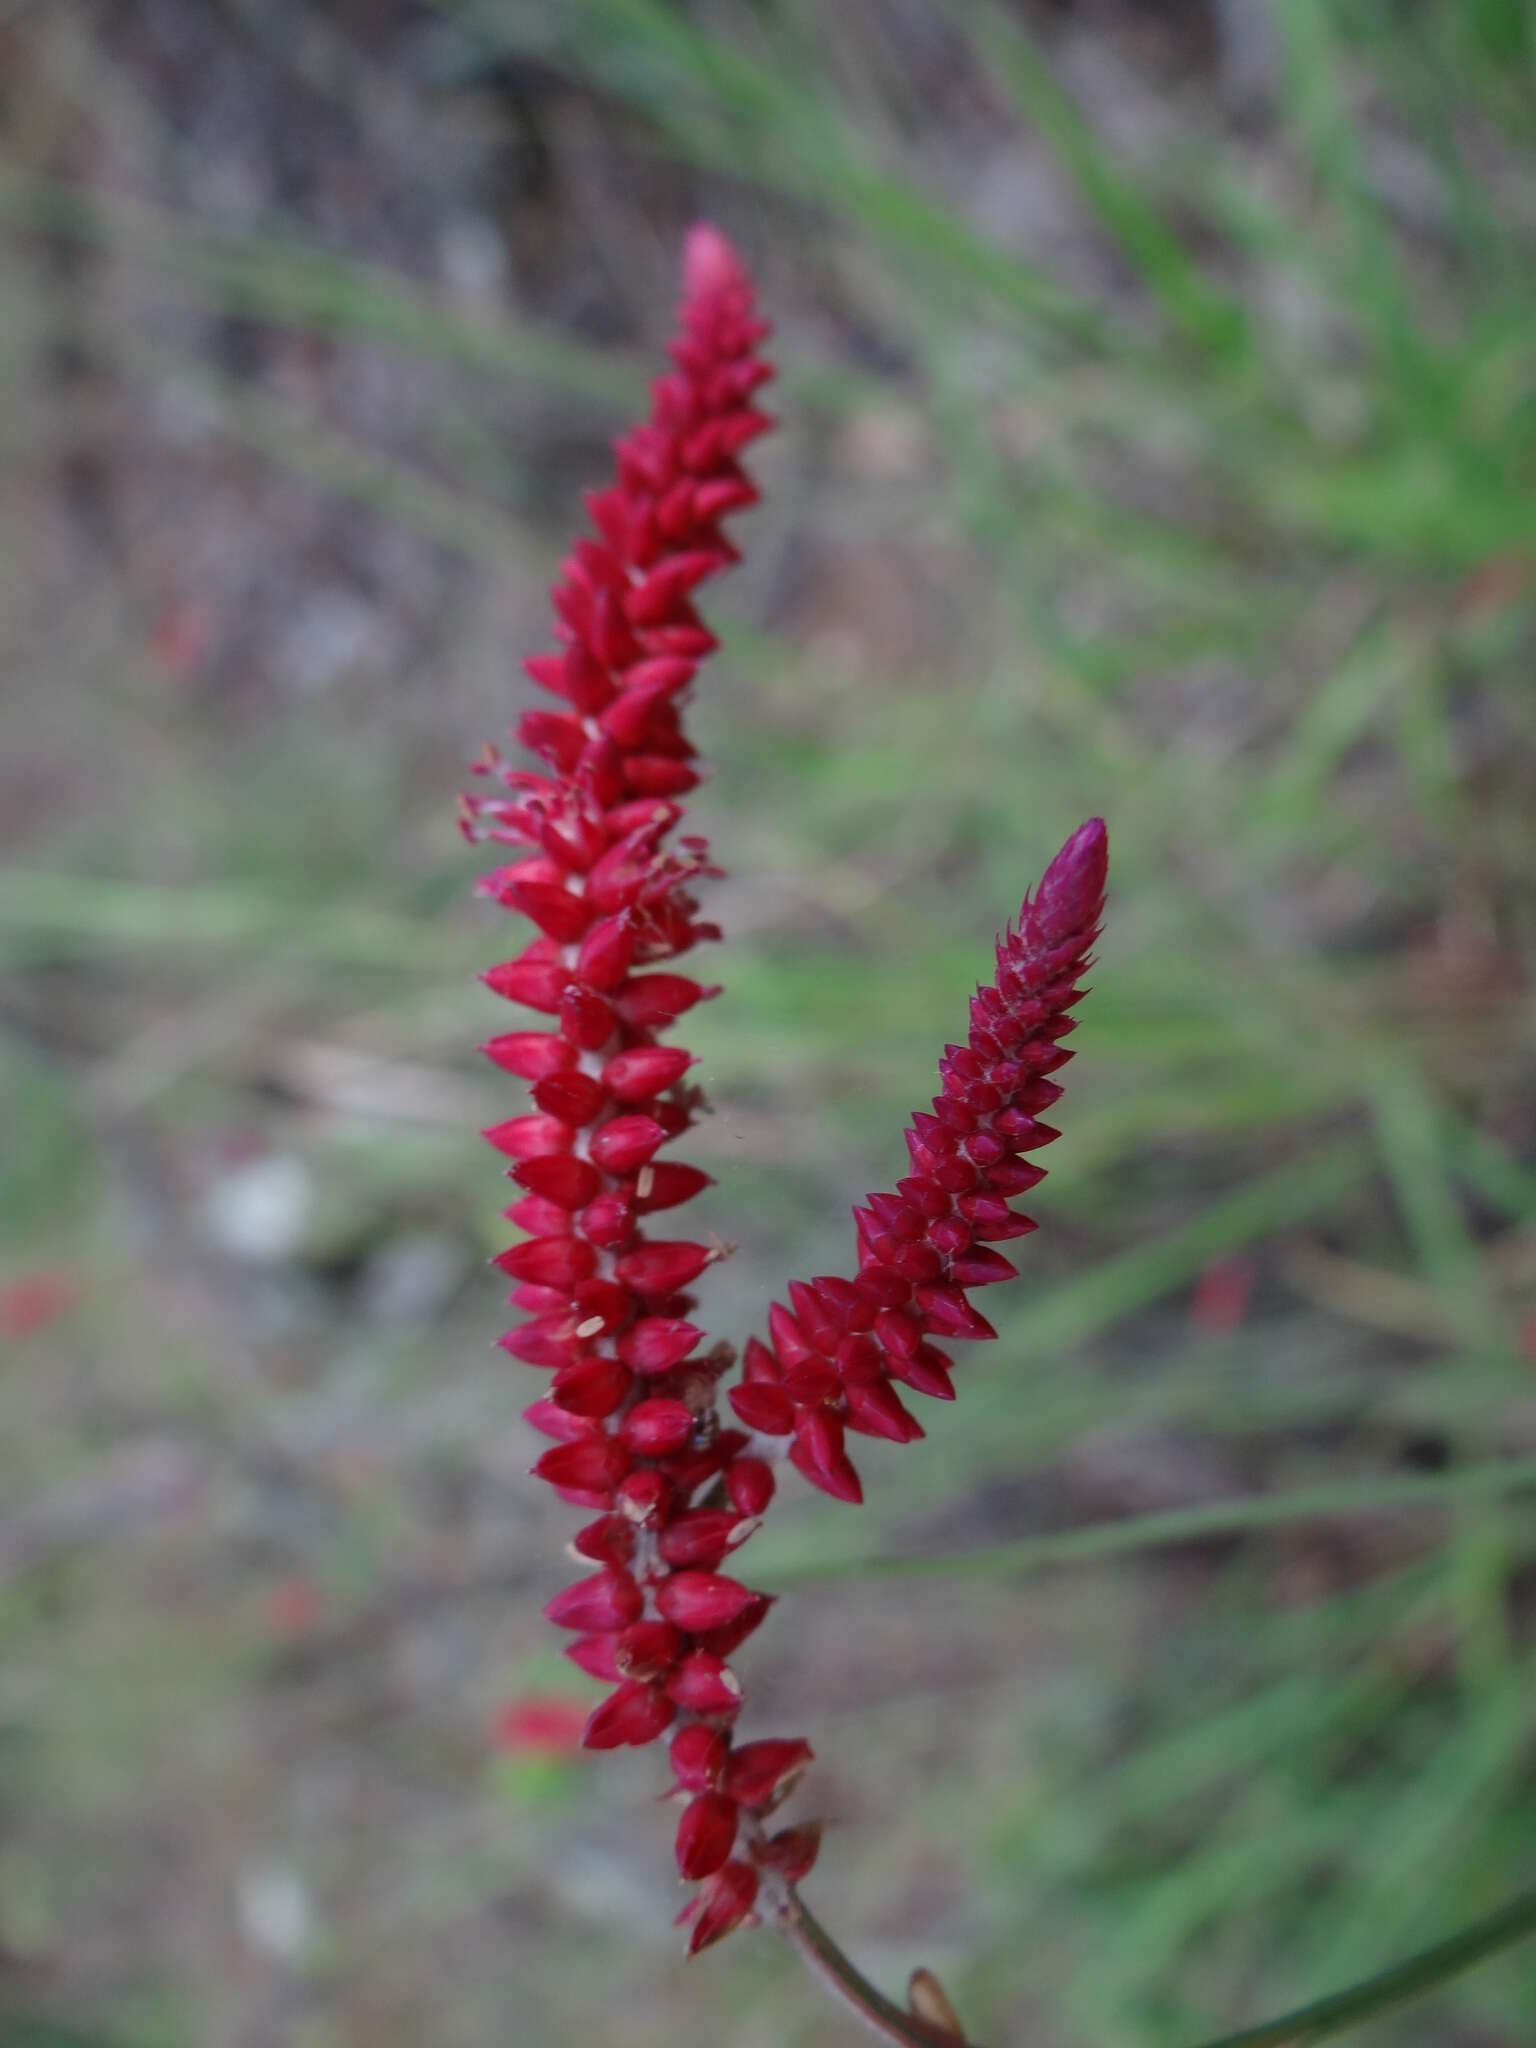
706 1834
633 1408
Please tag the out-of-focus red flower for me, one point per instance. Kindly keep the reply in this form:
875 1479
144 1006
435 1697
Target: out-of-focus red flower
539 1727
35 1300
1221 1295
294 1607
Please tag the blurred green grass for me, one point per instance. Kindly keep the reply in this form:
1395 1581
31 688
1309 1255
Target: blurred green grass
1217 518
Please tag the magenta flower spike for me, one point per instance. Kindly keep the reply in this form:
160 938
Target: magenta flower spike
631 1404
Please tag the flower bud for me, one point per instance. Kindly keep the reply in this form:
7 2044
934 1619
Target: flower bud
706 1835
725 1901
549 1261
609 1221
545 1342
666 1183
626 1143
529 1054
606 952
643 1498
634 1714
657 1343
663 1267
536 983
609 1540
792 1852
549 1420
723 1641
573 1098
645 1071
839 1479
591 1387
698 1756
529 1137
648 1650
560 1178
596 1656
657 1427
595 1464
980 1266
698 1537
557 912
537 1217
767 1409
749 1484
586 1018
761 1774
647 1000
949 1314
607 1600
876 1410
810 1383
699 1600
704 1684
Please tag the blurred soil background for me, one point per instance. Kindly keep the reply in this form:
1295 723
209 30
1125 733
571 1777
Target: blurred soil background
1159 414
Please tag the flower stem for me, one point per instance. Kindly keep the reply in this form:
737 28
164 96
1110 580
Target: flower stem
822 1956
1320 2021
1404 1981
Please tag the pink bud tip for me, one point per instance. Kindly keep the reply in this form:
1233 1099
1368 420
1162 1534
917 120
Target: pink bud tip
710 264
1072 887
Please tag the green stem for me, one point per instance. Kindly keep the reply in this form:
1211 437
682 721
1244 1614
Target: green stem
1404 1981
